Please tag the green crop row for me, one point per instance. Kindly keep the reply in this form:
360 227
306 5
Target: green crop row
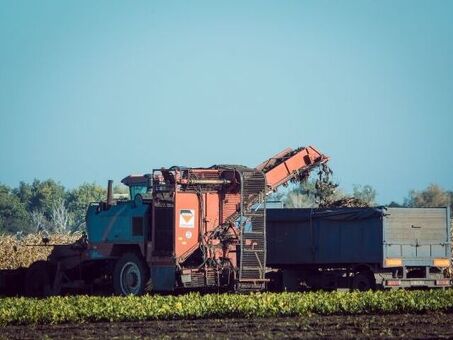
91 309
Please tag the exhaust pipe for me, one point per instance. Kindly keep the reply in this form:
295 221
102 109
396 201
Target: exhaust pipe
109 193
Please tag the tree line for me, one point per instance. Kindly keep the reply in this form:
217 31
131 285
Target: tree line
47 206
304 196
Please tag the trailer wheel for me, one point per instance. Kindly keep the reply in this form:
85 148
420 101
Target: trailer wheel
363 281
130 275
38 279
275 283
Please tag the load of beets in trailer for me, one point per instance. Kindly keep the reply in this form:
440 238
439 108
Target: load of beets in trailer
208 229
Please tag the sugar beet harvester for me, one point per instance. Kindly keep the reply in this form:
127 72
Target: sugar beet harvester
182 229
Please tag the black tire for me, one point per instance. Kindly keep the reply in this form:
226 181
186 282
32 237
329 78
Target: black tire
39 279
363 281
130 275
275 283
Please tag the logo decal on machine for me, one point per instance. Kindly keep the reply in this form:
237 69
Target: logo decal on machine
187 218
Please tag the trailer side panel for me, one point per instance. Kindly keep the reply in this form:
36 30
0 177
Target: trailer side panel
323 236
417 235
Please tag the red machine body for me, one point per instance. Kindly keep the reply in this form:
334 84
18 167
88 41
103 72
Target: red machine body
209 223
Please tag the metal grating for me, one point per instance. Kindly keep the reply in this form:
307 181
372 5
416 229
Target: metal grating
202 279
253 232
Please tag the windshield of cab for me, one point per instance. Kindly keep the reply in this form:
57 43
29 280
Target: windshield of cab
134 190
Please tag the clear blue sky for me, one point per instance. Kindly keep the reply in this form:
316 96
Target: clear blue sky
91 90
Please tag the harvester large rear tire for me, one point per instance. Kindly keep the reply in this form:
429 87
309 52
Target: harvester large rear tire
39 279
130 275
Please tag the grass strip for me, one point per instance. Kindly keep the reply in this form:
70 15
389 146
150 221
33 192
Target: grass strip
23 311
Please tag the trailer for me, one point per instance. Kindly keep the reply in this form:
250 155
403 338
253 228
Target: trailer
358 248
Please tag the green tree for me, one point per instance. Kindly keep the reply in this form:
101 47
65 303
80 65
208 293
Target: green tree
120 189
13 214
432 196
309 194
365 193
302 196
40 195
24 193
80 198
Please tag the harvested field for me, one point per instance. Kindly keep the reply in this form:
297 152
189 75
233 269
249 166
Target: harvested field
435 325
15 253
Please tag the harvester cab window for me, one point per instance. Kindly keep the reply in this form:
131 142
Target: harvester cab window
134 190
138 184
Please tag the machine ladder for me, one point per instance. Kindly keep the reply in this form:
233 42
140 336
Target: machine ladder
256 184
252 223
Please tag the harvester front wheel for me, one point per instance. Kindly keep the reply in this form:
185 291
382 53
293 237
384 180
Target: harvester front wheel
130 275
38 279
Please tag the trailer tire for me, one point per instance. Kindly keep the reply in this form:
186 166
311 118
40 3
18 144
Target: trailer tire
363 281
130 275
275 283
38 279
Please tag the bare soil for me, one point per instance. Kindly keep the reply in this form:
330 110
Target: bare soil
436 325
